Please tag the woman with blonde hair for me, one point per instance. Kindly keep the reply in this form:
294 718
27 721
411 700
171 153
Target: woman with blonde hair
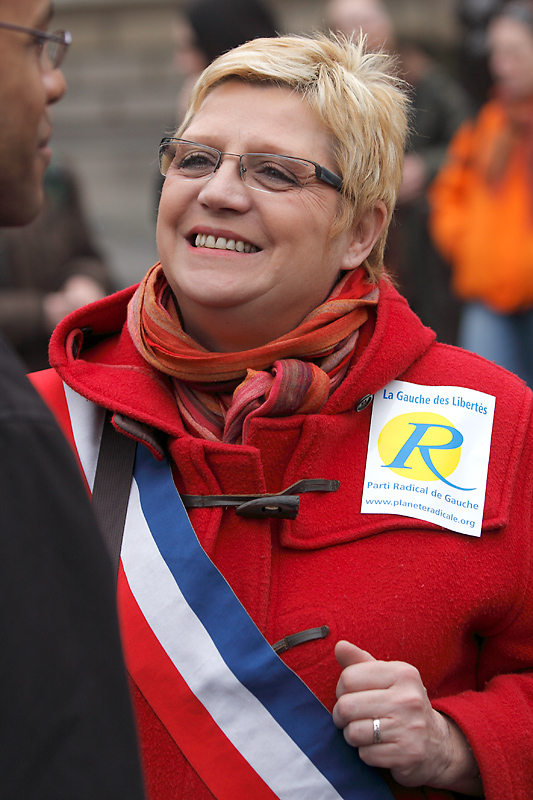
344 610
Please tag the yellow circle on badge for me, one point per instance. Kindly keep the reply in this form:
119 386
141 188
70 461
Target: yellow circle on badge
420 446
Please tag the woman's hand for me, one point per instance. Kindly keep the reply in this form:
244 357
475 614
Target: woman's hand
418 744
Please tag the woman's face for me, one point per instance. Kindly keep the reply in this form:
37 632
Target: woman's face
232 300
511 57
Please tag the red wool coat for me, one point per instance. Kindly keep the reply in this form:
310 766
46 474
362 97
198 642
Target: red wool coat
459 608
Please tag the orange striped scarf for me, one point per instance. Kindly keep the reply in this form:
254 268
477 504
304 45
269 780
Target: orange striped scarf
218 394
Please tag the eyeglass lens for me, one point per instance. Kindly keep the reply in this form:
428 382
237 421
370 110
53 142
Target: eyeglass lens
54 51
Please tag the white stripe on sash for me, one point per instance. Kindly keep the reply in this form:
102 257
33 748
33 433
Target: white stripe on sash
87 420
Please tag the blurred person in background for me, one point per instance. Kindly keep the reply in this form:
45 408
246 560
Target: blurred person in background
473 54
204 29
369 18
243 380
482 201
66 726
439 106
48 268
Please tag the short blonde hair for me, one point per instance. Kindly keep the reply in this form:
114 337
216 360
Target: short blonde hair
354 93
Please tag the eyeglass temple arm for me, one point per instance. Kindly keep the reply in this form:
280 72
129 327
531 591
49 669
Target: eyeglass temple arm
327 176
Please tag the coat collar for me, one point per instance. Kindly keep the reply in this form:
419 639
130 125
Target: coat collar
93 353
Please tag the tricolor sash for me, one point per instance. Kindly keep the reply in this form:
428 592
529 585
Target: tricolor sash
244 720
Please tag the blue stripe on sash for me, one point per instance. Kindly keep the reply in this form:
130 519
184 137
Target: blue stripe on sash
240 643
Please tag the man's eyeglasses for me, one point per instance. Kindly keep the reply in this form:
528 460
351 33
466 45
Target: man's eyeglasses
53 46
263 171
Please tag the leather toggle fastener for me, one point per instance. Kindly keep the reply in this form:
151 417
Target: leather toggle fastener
284 505
294 639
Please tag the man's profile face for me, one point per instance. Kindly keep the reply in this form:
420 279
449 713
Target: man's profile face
26 92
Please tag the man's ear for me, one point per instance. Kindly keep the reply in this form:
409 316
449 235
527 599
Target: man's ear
364 235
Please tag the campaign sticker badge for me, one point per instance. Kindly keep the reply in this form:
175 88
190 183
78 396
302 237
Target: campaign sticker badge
428 454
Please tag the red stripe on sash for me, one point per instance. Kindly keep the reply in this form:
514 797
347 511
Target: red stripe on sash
52 390
226 773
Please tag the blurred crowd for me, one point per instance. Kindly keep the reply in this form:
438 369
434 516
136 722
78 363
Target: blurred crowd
463 220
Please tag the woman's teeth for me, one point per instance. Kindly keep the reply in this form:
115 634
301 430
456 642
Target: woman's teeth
221 243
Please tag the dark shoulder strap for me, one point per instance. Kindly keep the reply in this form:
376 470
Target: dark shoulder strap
112 485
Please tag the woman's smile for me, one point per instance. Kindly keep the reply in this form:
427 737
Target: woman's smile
213 240
221 243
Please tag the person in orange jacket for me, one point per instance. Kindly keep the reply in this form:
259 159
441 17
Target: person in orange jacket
482 203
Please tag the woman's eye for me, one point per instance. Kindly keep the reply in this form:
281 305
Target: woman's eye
274 174
193 162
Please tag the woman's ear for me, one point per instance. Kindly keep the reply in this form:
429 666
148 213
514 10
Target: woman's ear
364 235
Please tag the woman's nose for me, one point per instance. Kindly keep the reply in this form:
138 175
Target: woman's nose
225 188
